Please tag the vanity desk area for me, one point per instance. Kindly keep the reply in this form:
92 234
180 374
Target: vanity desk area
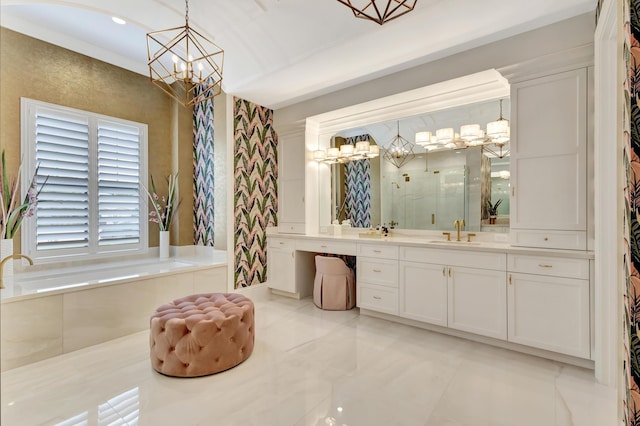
527 299
525 280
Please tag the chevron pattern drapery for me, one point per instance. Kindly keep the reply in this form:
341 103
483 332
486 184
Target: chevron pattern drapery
203 178
255 190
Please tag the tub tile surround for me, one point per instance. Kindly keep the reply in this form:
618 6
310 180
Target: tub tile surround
37 326
310 366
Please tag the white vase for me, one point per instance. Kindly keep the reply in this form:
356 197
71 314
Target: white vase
164 244
6 249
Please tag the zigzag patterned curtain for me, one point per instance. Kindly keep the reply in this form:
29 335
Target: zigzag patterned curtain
203 172
357 181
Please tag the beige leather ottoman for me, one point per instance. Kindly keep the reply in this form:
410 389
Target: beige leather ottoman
202 334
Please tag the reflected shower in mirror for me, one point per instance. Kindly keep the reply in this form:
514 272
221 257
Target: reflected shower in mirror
434 188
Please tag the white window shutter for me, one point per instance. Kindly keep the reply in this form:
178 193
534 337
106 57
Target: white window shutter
118 183
62 149
95 166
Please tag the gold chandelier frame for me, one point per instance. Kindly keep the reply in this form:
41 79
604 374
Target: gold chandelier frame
185 64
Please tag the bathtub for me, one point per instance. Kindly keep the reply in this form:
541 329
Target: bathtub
48 312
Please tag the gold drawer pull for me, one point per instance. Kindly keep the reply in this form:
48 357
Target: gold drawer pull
377 297
546 238
377 270
377 251
323 246
281 243
545 265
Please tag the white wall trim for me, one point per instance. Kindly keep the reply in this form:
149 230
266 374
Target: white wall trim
608 192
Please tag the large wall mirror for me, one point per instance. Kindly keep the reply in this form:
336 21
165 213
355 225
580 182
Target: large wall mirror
419 184
411 161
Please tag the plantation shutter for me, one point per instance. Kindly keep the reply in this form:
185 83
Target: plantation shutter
62 152
118 183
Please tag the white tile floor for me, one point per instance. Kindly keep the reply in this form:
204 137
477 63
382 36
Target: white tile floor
312 367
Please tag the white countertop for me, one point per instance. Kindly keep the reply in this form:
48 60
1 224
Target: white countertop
484 241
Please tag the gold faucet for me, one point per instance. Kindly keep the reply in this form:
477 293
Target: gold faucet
14 256
459 224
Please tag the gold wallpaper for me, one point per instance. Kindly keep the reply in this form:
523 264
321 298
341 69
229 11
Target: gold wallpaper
35 69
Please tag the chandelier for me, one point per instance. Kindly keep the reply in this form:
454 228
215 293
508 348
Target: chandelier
184 63
379 11
347 152
497 134
399 151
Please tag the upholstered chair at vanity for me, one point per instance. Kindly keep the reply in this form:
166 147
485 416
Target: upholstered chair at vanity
334 287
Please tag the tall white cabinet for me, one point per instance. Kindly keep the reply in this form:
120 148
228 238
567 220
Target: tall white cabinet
549 131
291 183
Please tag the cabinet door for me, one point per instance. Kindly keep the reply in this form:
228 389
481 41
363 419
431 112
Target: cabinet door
548 152
550 313
478 301
423 292
281 269
291 196
291 183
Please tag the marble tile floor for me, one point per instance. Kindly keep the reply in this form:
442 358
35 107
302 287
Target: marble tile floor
312 367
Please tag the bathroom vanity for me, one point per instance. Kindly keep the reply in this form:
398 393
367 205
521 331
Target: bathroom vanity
529 287
521 298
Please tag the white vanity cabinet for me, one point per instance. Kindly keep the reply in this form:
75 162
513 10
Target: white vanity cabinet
478 301
463 290
291 183
281 265
549 304
423 292
549 131
377 278
289 270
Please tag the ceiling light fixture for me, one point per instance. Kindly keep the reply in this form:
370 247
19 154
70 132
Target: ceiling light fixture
184 63
118 21
379 11
399 151
497 134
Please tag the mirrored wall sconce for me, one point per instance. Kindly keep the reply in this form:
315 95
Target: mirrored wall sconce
347 152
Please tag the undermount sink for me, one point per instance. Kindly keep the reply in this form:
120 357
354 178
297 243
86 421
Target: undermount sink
472 243
369 235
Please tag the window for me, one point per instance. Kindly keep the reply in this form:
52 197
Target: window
92 203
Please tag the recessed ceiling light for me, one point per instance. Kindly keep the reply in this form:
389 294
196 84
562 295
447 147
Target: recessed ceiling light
118 21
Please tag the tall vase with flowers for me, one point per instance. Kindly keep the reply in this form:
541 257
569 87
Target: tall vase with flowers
14 209
164 209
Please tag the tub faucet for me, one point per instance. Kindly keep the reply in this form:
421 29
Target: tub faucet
14 256
459 224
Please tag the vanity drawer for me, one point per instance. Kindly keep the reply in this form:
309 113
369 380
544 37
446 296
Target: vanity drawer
568 240
283 243
378 298
379 251
552 266
327 246
471 259
291 228
377 271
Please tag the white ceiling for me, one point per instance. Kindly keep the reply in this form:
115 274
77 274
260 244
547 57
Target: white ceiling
278 52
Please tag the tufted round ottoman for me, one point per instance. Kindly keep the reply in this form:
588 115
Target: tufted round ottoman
201 334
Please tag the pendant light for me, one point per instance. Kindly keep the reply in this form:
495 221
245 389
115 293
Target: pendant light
184 63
